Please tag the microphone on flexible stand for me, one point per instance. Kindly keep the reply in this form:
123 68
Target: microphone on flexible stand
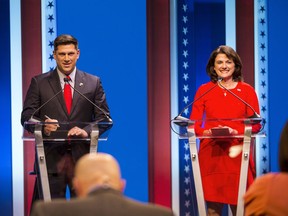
32 119
256 119
67 80
182 121
255 115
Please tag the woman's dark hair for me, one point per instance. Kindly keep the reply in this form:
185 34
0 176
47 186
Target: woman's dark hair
232 55
283 149
65 39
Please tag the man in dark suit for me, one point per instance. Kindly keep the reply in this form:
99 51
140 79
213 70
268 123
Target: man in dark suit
99 187
46 101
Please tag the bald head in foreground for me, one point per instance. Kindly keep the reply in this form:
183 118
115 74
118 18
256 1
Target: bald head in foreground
99 188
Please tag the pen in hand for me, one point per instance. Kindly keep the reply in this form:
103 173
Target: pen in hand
51 119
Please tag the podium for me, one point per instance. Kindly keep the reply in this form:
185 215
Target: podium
98 131
187 131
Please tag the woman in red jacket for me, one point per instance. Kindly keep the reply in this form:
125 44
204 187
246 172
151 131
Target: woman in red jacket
220 167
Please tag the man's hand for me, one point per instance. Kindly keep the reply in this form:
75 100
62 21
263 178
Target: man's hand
48 128
76 131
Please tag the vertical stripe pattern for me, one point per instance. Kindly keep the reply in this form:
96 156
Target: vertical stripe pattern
49 33
261 82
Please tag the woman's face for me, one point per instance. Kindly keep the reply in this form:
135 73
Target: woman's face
223 66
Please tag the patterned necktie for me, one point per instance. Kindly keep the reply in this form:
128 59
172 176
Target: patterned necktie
68 95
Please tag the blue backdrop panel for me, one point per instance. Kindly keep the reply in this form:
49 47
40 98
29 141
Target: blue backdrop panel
5 112
112 42
278 76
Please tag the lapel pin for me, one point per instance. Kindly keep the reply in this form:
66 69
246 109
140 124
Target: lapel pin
80 84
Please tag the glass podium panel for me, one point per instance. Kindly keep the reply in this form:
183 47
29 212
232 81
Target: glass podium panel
246 129
45 153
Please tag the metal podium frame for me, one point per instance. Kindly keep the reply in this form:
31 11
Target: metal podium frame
191 136
40 153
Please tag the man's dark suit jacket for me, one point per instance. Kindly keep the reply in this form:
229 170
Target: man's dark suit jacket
102 202
43 87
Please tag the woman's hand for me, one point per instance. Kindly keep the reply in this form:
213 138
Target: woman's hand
207 132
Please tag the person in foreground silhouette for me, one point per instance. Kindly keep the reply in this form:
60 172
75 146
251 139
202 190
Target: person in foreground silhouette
268 195
99 188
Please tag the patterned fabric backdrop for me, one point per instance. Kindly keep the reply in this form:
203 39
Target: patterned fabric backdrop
49 33
261 79
188 203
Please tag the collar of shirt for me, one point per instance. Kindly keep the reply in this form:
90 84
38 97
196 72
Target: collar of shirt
98 187
72 77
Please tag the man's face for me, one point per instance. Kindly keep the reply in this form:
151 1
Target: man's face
66 57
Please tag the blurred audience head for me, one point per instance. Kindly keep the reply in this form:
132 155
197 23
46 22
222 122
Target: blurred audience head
97 170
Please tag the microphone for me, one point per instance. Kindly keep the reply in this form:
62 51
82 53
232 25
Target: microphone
67 80
184 121
255 115
32 119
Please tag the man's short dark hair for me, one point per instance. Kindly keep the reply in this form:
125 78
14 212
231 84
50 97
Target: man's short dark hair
65 39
